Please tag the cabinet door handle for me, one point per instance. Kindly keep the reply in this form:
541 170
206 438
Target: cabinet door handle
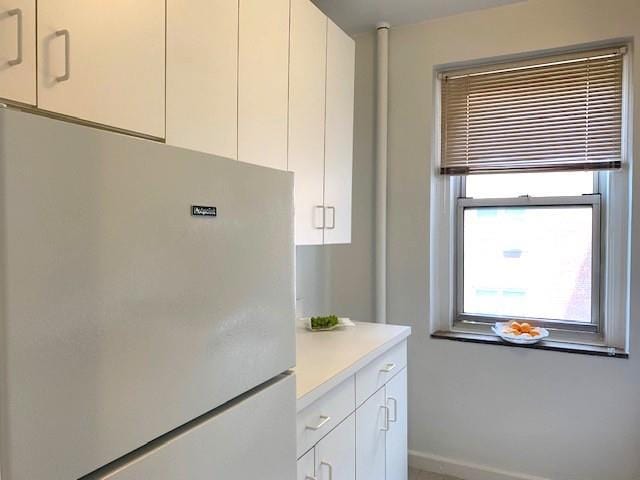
333 218
393 419
388 368
323 421
67 47
17 12
315 210
385 427
309 477
329 467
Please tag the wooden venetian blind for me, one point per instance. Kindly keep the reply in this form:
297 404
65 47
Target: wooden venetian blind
557 113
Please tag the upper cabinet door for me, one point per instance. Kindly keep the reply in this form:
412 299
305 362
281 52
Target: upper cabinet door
396 449
104 62
307 72
339 135
202 75
18 50
263 82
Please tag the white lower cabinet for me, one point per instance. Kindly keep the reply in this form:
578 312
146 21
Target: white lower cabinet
367 442
335 454
306 466
381 432
372 420
396 441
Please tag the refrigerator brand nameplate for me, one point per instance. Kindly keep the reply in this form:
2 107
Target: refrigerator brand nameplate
201 211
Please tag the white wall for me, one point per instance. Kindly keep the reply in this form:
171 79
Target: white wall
565 416
339 278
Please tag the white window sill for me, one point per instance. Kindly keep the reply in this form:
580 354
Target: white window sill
552 345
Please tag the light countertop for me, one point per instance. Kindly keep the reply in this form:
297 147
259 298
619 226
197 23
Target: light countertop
325 359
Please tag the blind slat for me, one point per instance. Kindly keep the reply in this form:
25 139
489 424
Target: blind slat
554 115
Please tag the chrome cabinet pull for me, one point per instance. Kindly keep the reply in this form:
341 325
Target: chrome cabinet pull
17 12
333 218
388 367
393 419
321 207
329 467
67 47
385 427
323 421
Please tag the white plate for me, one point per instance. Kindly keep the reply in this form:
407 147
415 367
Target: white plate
523 339
342 322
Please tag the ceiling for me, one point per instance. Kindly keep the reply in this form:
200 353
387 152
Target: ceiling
357 16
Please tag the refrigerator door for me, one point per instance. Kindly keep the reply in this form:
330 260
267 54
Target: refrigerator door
252 439
123 315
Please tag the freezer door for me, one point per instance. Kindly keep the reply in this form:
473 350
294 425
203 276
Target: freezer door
253 439
124 315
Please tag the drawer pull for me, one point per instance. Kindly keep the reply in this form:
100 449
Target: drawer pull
333 218
315 217
323 421
329 467
385 427
388 368
393 419
309 477
16 12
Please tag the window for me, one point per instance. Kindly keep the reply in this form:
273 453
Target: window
530 202
528 247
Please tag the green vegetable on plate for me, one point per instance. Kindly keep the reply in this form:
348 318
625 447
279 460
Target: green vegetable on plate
318 323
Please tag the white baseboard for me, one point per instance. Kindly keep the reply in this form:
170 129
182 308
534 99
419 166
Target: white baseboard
464 470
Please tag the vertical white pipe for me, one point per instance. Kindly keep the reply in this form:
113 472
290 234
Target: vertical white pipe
382 106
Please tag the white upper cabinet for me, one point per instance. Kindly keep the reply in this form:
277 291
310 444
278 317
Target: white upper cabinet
307 86
104 62
321 100
338 166
202 75
263 82
18 51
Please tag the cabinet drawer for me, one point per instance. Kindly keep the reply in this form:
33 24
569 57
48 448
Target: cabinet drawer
319 418
380 371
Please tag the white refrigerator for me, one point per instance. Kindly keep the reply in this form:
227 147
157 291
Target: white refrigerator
146 309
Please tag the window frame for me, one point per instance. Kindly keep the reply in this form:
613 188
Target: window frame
462 319
617 238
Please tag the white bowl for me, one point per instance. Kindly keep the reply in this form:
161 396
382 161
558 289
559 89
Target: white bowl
524 339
